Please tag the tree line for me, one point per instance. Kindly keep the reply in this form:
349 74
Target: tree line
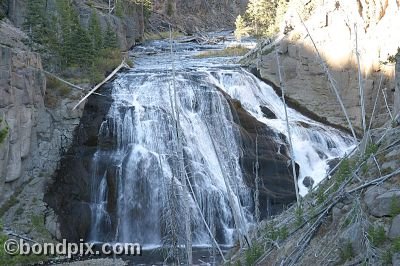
261 19
60 34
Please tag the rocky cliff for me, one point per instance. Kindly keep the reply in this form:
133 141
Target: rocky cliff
333 26
39 115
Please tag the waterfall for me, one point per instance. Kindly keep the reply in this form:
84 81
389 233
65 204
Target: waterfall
132 193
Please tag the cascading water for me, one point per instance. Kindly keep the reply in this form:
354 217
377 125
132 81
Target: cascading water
138 196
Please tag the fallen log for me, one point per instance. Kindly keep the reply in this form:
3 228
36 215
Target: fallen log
123 64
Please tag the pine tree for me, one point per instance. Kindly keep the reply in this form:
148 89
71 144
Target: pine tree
95 33
110 39
35 21
83 48
241 28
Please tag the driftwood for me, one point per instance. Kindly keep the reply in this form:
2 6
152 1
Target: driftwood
68 83
203 39
123 64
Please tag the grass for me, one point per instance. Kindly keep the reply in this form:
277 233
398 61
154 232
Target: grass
253 254
377 235
346 252
9 260
152 36
105 63
12 201
237 50
394 207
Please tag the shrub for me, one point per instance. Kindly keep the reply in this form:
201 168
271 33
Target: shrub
377 235
253 253
346 252
237 50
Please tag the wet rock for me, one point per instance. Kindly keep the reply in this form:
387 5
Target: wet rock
333 163
379 201
308 182
268 113
394 231
69 195
277 188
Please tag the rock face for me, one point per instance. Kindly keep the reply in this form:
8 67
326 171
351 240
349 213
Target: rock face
22 91
203 15
333 31
276 180
69 195
37 134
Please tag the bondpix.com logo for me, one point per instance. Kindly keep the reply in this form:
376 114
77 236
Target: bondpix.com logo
22 247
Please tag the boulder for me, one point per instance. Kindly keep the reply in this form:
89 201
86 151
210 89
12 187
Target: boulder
379 201
308 182
268 113
394 231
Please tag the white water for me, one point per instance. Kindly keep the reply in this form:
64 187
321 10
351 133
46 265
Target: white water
131 197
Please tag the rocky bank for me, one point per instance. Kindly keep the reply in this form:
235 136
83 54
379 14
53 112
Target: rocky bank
333 26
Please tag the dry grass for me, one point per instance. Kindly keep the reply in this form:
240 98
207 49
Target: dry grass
238 50
152 36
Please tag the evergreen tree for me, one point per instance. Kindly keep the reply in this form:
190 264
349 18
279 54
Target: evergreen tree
35 21
95 33
110 39
241 28
83 48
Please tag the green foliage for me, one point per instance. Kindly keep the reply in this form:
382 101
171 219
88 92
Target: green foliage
276 233
253 253
346 252
36 22
110 39
396 245
170 8
95 32
107 60
262 17
241 28
3 131
237 50
377 235
2 9
12 201
371 149
394 207
344 171
299 216
387 257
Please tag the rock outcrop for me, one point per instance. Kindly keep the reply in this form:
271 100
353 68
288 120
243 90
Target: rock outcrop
68 194
38 133
22 92
332 28
276 180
